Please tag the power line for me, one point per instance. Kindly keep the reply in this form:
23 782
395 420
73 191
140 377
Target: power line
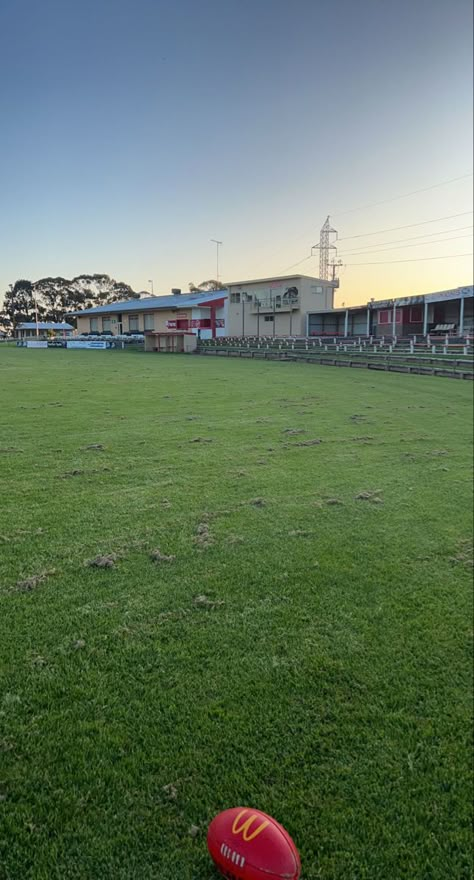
416 260
293 265
395 198
411 238
406 226
405 195
375 248
390 229
402 247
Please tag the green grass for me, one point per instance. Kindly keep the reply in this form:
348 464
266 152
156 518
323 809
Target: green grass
326 679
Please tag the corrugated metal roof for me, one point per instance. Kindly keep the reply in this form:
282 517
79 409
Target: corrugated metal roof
43 325
417 299
150 303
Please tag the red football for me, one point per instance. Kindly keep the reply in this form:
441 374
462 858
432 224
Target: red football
246 844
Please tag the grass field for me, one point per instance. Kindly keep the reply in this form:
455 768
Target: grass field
307 652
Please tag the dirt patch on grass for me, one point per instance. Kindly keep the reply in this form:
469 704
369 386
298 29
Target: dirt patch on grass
258 502
233 540
9 450
314 442
203 538
293 431
464 555
32 583
300 533
206 602
334 501
201 440
99 447
74 473
158 556
106 561
372 496
20 534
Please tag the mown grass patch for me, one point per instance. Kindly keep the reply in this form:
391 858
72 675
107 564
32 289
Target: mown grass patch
301 642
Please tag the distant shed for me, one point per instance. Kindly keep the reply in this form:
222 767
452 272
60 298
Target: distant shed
171 342
42 328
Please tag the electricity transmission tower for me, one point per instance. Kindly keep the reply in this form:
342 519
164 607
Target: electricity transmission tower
325 245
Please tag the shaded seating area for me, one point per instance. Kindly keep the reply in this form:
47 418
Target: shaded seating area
444 328
170 342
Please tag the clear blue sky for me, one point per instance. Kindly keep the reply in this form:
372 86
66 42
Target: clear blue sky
133 131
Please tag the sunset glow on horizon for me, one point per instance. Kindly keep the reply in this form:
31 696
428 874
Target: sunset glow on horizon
137 133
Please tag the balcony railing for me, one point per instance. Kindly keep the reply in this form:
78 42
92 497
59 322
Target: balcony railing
277 304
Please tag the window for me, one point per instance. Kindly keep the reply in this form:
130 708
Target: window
386 316
246 297
149 322
106 324
316 288
133 323
235 298
416 315
94 325
268 317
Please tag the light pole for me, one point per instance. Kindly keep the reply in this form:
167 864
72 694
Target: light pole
150 281
217 243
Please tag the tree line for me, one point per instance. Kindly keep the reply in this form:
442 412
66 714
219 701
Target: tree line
52 299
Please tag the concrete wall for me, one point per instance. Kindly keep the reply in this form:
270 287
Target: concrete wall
243 319
83 324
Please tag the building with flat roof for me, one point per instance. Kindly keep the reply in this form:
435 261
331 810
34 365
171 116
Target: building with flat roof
444 311
276 306
256 307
